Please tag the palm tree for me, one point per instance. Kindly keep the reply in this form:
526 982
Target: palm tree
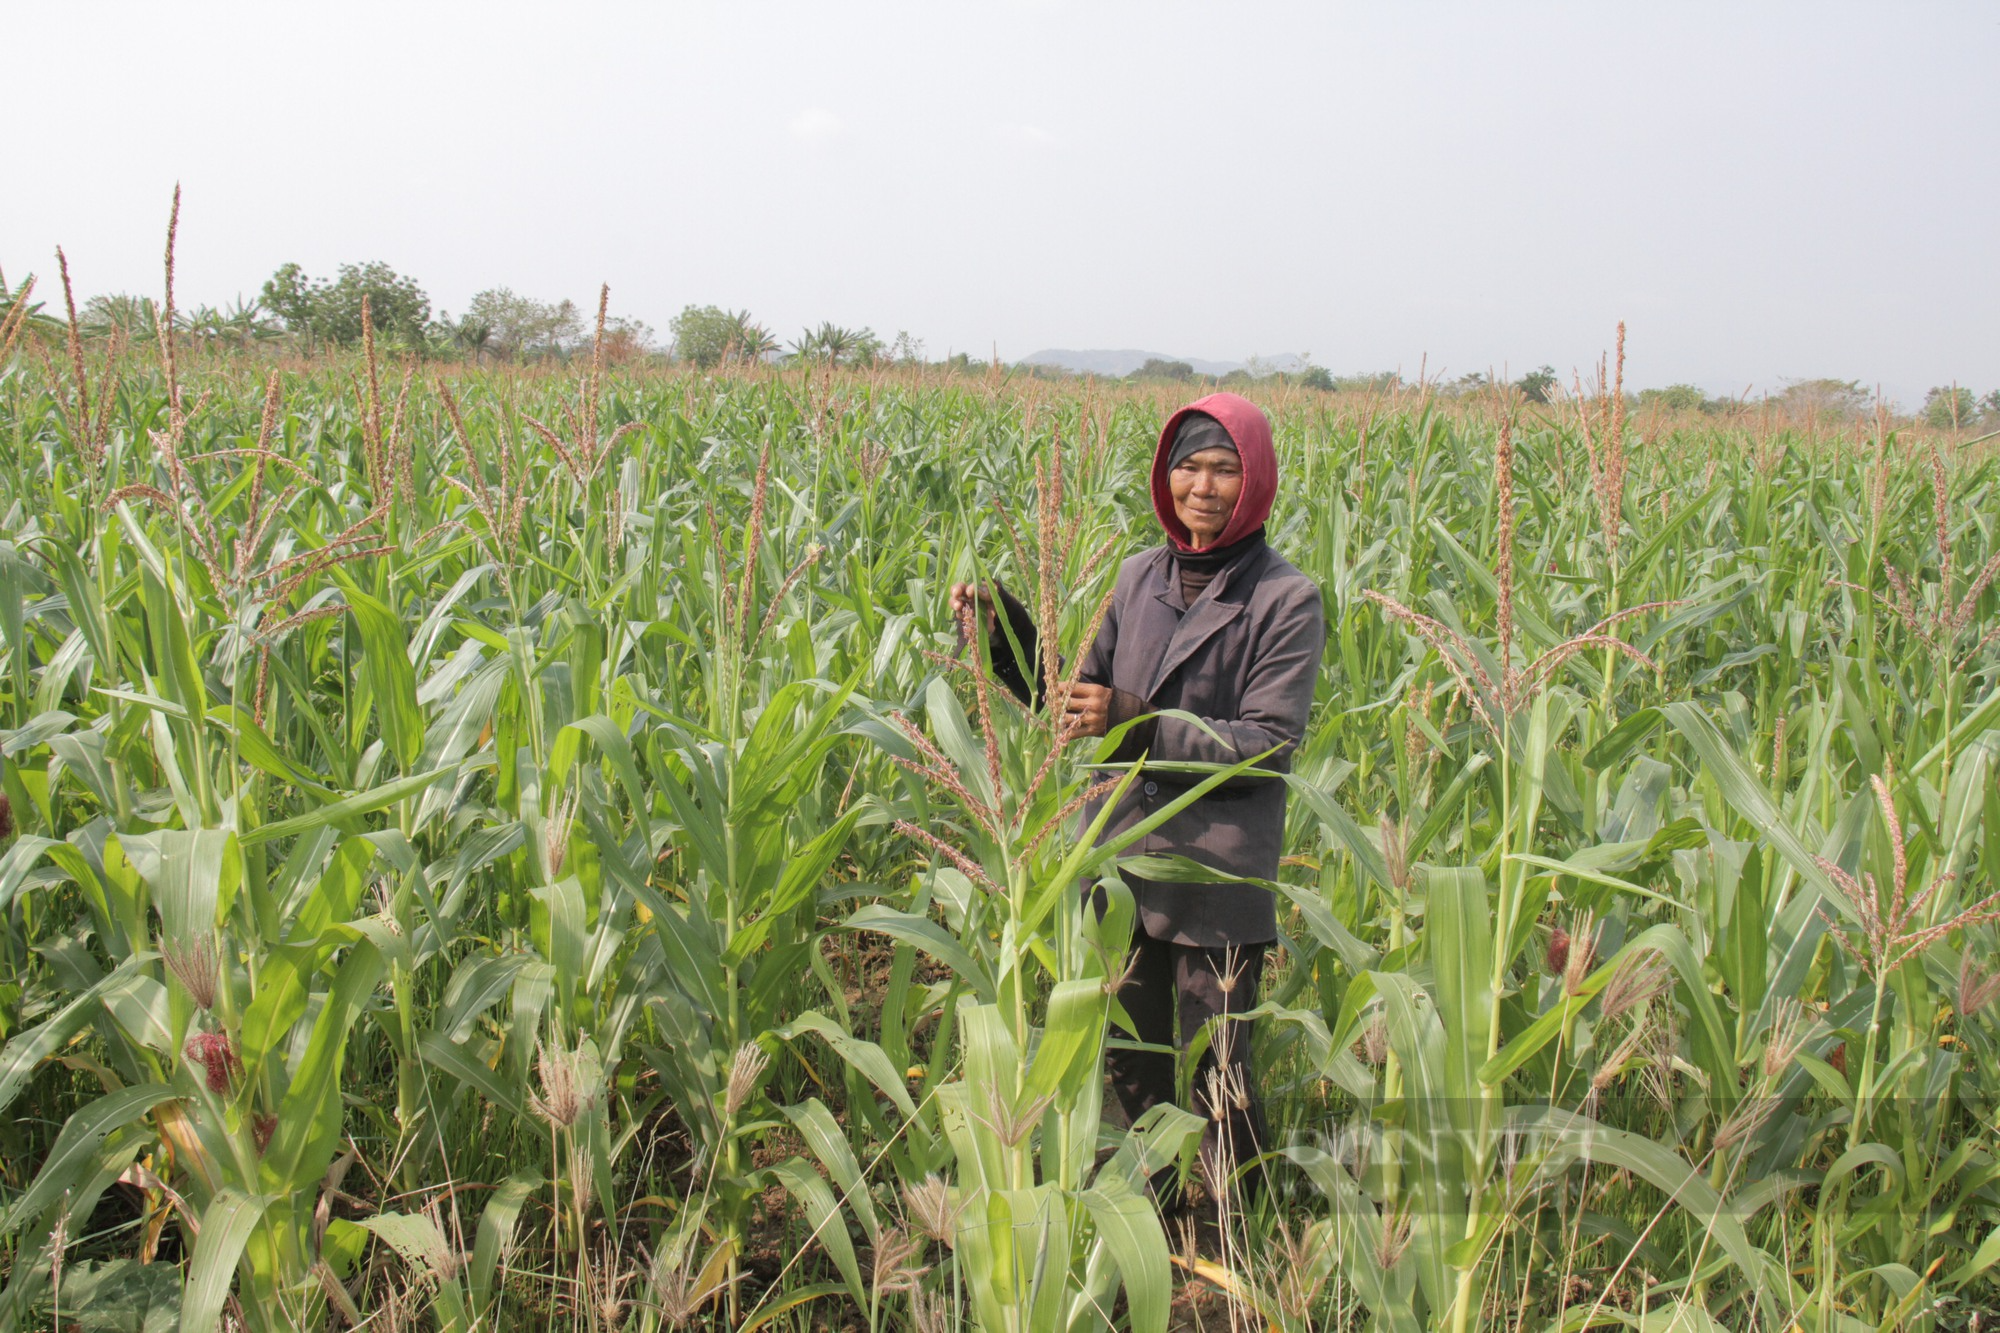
830 342
206 323
247 322
138 316
473 333
749 340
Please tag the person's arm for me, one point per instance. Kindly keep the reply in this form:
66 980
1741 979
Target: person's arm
1096 706
1276 701
1125 706
1022 674
1095 703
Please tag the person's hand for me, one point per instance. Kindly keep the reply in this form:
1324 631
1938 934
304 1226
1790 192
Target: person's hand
1088 712
964 595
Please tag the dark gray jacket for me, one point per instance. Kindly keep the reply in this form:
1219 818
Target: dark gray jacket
1244 658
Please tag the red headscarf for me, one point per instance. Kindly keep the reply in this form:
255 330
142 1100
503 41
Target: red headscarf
1251 431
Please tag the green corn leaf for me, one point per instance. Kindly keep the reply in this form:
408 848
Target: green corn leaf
828 1142
1416 1035
704 830
141 1011
1747 795
1161 1136
457 1064
497 1221
564 901
1356 1225
309 1118
75 1150
823 1216
24 1054
867 1058
457 728
258 748
1578 1136
1069 1054
1460 930
226 1227
1354 955
1129 1227
414 1236
1523 1046
336 894
955 738
86 607
1983 1258
194 876
617 750
1982 717
1334 817
1589 875
769 1310
173 645
1832 1080
1621 740
280 1002
1858 1160
802 875
348 808
1446 810
1963 817
928 936
391 679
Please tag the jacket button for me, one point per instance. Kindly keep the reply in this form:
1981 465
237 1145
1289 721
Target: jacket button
1152 788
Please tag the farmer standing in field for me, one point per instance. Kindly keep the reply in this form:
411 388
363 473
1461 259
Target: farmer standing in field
1216 624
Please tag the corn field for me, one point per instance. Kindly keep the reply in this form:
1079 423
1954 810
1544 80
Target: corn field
528 850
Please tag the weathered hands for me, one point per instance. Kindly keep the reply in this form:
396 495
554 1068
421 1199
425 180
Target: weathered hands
964 595
1088 712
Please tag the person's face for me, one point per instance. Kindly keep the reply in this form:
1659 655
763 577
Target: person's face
1206 486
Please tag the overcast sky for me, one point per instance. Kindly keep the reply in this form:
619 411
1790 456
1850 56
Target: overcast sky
1761 191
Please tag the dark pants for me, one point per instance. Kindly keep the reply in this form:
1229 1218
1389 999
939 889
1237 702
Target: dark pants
1196 985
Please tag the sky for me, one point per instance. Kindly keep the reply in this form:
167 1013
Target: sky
1761 192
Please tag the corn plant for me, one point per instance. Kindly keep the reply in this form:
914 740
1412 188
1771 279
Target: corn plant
525 846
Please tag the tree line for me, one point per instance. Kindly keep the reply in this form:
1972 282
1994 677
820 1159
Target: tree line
1949 407
501 324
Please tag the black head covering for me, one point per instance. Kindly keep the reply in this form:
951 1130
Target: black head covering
1198 432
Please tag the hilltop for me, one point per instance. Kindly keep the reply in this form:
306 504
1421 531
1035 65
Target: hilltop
1123 361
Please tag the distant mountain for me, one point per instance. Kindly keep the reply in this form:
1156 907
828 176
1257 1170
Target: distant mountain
1123 361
